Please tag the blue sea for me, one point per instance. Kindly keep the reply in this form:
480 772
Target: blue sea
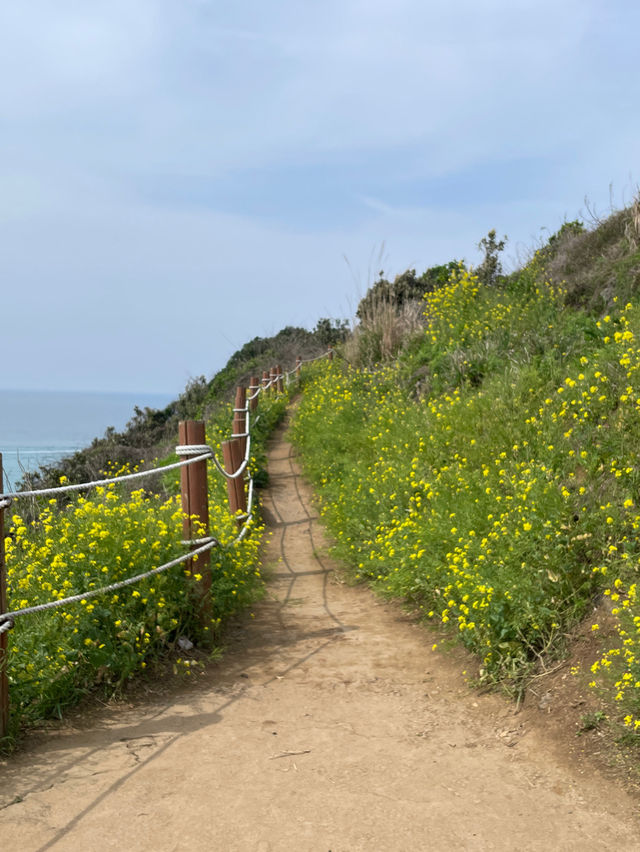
40 427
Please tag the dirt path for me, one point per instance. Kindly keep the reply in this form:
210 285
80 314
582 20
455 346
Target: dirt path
329 725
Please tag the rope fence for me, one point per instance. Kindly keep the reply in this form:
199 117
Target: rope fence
94 593
194 454
6 499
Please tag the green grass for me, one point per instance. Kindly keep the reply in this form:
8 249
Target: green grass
506 498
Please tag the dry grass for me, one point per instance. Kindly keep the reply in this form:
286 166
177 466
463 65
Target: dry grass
383 331
632 228
602 263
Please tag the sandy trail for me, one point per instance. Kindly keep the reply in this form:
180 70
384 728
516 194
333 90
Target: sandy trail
330 725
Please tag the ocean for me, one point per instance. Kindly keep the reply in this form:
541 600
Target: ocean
40 427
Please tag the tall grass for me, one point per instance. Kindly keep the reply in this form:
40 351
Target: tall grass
384 329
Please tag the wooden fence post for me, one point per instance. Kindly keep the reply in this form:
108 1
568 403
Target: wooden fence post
298 366
330 353
253 391
4 637
195 501
233 458
240 419
265 381
272 378
279 382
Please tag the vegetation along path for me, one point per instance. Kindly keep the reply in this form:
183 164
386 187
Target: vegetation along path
330 724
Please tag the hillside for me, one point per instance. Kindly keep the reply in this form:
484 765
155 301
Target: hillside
487 471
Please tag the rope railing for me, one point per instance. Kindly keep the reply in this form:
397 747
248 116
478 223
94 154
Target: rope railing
236 473
5 499
199 452
192 453
8 618
328 354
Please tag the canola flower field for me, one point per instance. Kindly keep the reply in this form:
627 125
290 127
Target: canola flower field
98 539
505 499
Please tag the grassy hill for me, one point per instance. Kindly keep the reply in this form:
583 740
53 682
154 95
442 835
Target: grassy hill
479 457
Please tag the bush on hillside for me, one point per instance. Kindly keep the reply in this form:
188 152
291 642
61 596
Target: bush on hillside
390 314
597 265
405 288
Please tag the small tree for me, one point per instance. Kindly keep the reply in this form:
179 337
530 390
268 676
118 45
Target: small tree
330 332
491 268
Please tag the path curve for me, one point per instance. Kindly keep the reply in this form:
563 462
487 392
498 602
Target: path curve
329 725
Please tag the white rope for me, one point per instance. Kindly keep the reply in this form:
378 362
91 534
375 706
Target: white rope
249 516
317 358
192 542
306 361
61 489
6 626
243 466
193 450
247 452
92 593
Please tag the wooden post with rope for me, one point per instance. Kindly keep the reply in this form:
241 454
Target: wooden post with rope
330 353
4 637
234 450
240 419
279 380
298 366
254 384
195 505
272 378
265 381
233 458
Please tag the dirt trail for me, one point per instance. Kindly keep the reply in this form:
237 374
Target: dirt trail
329 725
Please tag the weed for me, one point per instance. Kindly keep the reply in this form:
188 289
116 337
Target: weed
591 722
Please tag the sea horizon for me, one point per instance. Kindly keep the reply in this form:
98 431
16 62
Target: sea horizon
40 427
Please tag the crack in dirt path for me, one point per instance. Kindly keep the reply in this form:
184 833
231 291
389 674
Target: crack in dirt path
328 725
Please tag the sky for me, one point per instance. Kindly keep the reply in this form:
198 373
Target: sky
180 176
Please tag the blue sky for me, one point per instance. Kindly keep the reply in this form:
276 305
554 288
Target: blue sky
179 176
